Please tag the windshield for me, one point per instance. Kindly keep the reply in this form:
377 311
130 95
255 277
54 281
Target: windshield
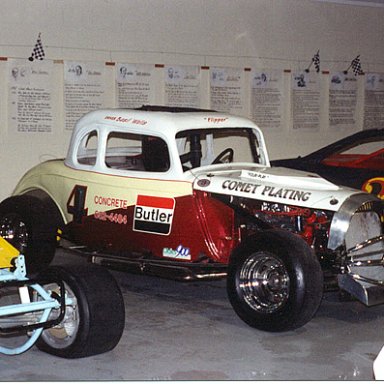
199 147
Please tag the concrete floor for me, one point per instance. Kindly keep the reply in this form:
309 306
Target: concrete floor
188 331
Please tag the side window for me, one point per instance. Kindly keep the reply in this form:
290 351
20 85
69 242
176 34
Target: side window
87 151
134 152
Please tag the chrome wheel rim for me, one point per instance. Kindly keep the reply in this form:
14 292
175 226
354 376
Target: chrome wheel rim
14 230
264 282
63 334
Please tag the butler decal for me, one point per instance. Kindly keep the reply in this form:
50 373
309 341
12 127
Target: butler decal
375 186
153 214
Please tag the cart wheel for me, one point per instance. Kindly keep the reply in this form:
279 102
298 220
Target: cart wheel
94 321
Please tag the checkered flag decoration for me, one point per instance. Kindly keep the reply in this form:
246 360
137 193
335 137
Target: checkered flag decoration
356 66
316 62
38 50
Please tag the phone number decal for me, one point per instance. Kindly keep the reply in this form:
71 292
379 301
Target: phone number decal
117 218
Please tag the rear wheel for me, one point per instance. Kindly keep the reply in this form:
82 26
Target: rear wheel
275 282
30 225
94 315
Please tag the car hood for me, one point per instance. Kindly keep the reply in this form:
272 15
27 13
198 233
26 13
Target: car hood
277 184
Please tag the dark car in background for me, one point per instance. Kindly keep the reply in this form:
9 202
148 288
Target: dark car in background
357 161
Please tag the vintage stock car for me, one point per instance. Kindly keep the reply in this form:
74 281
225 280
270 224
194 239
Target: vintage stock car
189 194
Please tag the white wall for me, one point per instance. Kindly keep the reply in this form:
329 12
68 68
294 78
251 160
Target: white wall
281 34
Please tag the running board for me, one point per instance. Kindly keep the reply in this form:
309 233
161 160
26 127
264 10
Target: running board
174 271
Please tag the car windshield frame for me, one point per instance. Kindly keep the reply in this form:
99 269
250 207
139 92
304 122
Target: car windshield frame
199 147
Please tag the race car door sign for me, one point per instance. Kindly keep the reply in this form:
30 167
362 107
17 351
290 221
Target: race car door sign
153 214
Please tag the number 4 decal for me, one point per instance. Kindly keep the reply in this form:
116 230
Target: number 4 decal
76 203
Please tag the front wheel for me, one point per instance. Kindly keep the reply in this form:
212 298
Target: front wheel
94 314
30 225
274 281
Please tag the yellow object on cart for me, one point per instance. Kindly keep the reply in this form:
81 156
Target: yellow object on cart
7 253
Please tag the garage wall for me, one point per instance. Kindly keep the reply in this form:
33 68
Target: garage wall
273 34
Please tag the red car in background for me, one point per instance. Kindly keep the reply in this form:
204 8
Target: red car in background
357 161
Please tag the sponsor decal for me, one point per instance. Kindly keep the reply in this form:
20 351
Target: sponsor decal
375 186
266 190
117 218
179 253
110 202
285 193
153 214
203 183
234 185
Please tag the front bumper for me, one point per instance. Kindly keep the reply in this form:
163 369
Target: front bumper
357 232
364 275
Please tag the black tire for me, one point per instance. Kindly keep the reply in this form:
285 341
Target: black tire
95 323
275 282
30 225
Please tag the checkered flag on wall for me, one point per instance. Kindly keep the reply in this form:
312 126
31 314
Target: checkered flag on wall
316 62
38 50
356 66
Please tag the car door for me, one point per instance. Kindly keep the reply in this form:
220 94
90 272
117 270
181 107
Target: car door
130 200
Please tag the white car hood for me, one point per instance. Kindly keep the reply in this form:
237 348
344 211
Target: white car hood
272 184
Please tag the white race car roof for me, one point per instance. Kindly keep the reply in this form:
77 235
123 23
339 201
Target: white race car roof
164 121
